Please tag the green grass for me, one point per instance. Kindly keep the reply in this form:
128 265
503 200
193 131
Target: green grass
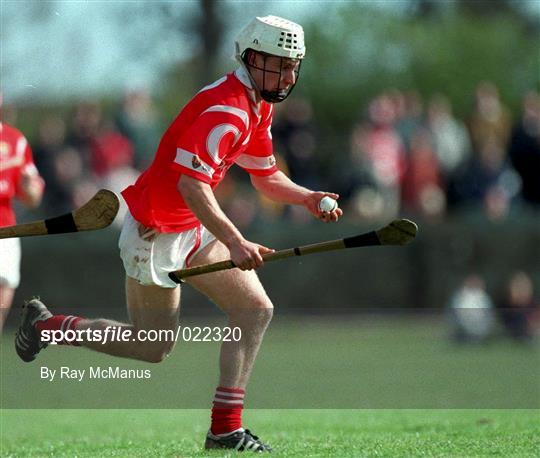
322 387
364 363
316 433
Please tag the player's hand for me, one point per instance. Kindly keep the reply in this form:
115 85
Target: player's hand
31 183
31 188
248 255
311 202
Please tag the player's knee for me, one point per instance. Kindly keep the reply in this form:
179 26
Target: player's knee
258 315
266 314
156 353
154 357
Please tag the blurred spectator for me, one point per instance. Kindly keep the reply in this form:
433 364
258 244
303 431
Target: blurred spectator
109 151
524 150
450 137
138 120
379 162
294 136
423 191
487 180
519 311
50 142
97 154
84 127
490 123
68 170
472 315
295 141
409 110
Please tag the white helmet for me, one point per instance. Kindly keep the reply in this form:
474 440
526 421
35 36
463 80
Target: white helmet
272 35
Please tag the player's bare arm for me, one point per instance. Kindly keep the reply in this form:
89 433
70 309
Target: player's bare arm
201 200
31 189
281 188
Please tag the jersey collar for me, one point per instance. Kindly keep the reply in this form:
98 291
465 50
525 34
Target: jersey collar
241 74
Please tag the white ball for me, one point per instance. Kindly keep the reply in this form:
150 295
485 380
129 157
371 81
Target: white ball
327 204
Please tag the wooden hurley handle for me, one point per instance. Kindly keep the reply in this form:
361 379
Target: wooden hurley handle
268 257
398 232
23 230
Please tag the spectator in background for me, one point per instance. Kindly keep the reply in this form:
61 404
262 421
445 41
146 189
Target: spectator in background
84 127
294 134
112 165
138 121
472 315
379 161
524 149
519 310
47 154
106 156
409 116
450 138
486 179
423 190
490 123
69 172
19 179
109 151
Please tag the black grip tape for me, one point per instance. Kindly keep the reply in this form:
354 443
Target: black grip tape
297 252
368 239
61 224
174 278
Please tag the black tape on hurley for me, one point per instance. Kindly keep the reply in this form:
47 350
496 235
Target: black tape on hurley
61 224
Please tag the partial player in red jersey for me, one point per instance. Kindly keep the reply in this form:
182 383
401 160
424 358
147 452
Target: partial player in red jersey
19 179
175 221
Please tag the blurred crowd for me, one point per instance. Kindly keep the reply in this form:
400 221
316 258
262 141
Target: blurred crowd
88 150
407 156
476 316
410 156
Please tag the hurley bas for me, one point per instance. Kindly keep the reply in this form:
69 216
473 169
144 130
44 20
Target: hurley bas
98 372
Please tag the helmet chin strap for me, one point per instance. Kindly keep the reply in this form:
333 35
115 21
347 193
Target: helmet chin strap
268 96
251 80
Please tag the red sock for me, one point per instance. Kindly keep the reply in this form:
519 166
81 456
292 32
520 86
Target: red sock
227 410
60 323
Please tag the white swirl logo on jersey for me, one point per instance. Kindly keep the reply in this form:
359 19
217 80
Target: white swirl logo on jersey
215 137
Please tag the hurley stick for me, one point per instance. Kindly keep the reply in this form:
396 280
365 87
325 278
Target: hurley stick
398 232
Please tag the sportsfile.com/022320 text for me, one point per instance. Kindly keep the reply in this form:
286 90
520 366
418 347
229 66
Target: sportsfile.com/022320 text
121 334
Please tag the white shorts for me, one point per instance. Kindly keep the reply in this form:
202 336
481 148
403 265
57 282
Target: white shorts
10 262
149 256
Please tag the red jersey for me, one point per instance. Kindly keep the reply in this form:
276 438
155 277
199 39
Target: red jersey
15 160
221 126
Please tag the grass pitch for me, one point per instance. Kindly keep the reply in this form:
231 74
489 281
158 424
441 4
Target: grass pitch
322 387
314 433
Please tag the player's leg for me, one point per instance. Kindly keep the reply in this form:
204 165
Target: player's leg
6 299
9 275
150 307
152 301
242 297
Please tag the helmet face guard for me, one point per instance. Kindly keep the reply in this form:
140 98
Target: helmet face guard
277 94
